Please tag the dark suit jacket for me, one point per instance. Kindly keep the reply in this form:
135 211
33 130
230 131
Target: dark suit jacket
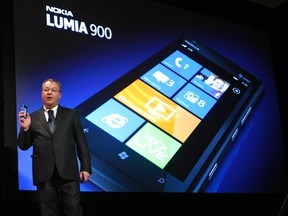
60 149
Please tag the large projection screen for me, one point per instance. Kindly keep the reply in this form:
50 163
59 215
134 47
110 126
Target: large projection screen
89 45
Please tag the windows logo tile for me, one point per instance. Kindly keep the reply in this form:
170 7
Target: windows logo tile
123 155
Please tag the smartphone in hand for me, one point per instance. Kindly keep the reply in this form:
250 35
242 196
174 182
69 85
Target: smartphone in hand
24 108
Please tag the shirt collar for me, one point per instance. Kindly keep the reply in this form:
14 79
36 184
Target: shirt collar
54 109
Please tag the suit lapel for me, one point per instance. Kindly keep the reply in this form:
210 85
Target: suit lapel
59 117
42 119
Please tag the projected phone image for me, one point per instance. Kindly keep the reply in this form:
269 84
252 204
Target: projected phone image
165 125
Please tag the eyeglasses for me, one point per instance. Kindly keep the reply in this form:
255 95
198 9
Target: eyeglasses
53 90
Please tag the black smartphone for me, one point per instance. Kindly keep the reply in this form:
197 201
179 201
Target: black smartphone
165 125
24 108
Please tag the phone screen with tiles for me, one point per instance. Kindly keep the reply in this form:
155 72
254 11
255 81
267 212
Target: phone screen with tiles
166 124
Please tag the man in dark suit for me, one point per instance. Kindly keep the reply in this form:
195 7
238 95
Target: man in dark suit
55 152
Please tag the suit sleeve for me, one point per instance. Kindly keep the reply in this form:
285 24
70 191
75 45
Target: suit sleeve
24 139
82 146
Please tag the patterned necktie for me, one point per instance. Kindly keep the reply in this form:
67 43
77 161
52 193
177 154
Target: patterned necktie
51 121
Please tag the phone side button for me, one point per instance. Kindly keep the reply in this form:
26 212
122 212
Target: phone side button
234 134
213 170
246 115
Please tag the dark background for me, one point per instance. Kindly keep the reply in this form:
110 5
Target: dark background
269 17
